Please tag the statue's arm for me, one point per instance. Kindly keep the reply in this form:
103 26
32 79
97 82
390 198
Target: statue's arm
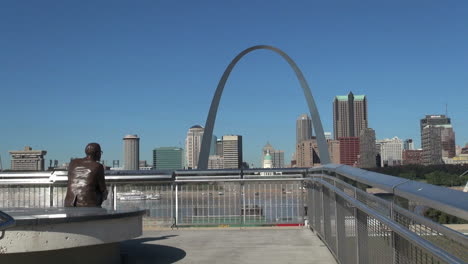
102 182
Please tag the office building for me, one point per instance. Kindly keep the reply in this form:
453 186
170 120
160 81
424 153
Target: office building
438 142
367 151
307 153
131 152
412 156
232 151
391 152
349 115
277 156
303 128
431 120
168 158
193 145
27 159
349 150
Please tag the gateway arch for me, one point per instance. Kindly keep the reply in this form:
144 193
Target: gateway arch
317 124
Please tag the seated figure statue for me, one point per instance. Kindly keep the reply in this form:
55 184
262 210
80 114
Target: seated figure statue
86 183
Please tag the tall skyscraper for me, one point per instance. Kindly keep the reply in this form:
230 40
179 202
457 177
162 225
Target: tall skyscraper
431 120
437 139
168 158
232 151
303 128
367 151
349 115
131 152
193 145
277 156
391 152
438 142
27 159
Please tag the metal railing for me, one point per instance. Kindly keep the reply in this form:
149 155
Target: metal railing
359 227
226 197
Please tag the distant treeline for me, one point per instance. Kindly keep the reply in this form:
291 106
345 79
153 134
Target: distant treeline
443 175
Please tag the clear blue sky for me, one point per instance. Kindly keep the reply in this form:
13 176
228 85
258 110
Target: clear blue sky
73 72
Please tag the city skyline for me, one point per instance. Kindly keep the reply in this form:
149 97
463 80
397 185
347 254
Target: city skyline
420 70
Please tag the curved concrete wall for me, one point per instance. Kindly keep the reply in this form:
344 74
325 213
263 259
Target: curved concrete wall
317 124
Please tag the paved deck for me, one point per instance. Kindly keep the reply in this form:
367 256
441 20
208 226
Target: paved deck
265 245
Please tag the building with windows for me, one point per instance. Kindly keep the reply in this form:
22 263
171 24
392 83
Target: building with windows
412 156
349 150
367 151
131 152
438 142
307 153
349 115
168 158
303 128
408 144
27 159
193 146
215 162
232 151
391 152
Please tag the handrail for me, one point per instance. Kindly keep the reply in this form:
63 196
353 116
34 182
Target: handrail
6 221
443 255
443 199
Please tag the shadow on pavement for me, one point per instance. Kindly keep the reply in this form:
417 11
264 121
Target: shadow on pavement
144 251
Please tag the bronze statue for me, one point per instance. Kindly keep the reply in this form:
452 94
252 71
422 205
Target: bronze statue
86 183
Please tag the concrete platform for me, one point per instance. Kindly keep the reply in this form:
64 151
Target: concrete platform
257 245
68 235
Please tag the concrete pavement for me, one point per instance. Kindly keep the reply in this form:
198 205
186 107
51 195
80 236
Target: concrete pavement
228 245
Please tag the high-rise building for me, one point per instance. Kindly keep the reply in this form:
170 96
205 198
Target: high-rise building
367 152
277 156
408 144
214 139
131 152
431 120
303 128
307 153
349 115
438 142
219 147
391 152
27 159
349 150
193 145
232 151
168 158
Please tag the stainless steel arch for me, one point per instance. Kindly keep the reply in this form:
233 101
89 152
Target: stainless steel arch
208 134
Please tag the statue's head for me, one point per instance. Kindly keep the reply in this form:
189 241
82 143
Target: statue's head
93 151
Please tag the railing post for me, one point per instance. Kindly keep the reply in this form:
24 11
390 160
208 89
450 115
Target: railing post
340 227
51 196
176 204
360 219
326 214
114 197
242 196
